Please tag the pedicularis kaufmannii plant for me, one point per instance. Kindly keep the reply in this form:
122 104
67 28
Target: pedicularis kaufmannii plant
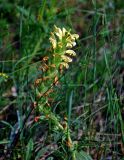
53 65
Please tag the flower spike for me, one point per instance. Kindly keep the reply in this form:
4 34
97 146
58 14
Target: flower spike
62 42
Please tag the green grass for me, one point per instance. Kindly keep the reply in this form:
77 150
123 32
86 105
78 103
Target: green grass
90 94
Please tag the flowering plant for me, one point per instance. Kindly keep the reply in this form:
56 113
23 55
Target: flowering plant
52 67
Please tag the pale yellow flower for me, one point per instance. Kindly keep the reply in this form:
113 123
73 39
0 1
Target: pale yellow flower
53 40
71 52
63 31
65 65
69 45
58 32
64 41
74 44
76 36
66 58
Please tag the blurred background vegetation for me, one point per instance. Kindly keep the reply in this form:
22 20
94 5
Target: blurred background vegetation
92 90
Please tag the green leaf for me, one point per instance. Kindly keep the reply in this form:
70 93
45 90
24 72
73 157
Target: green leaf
29 150
82 156
4 142
70 107
26 13
50 158
7 124
40 153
